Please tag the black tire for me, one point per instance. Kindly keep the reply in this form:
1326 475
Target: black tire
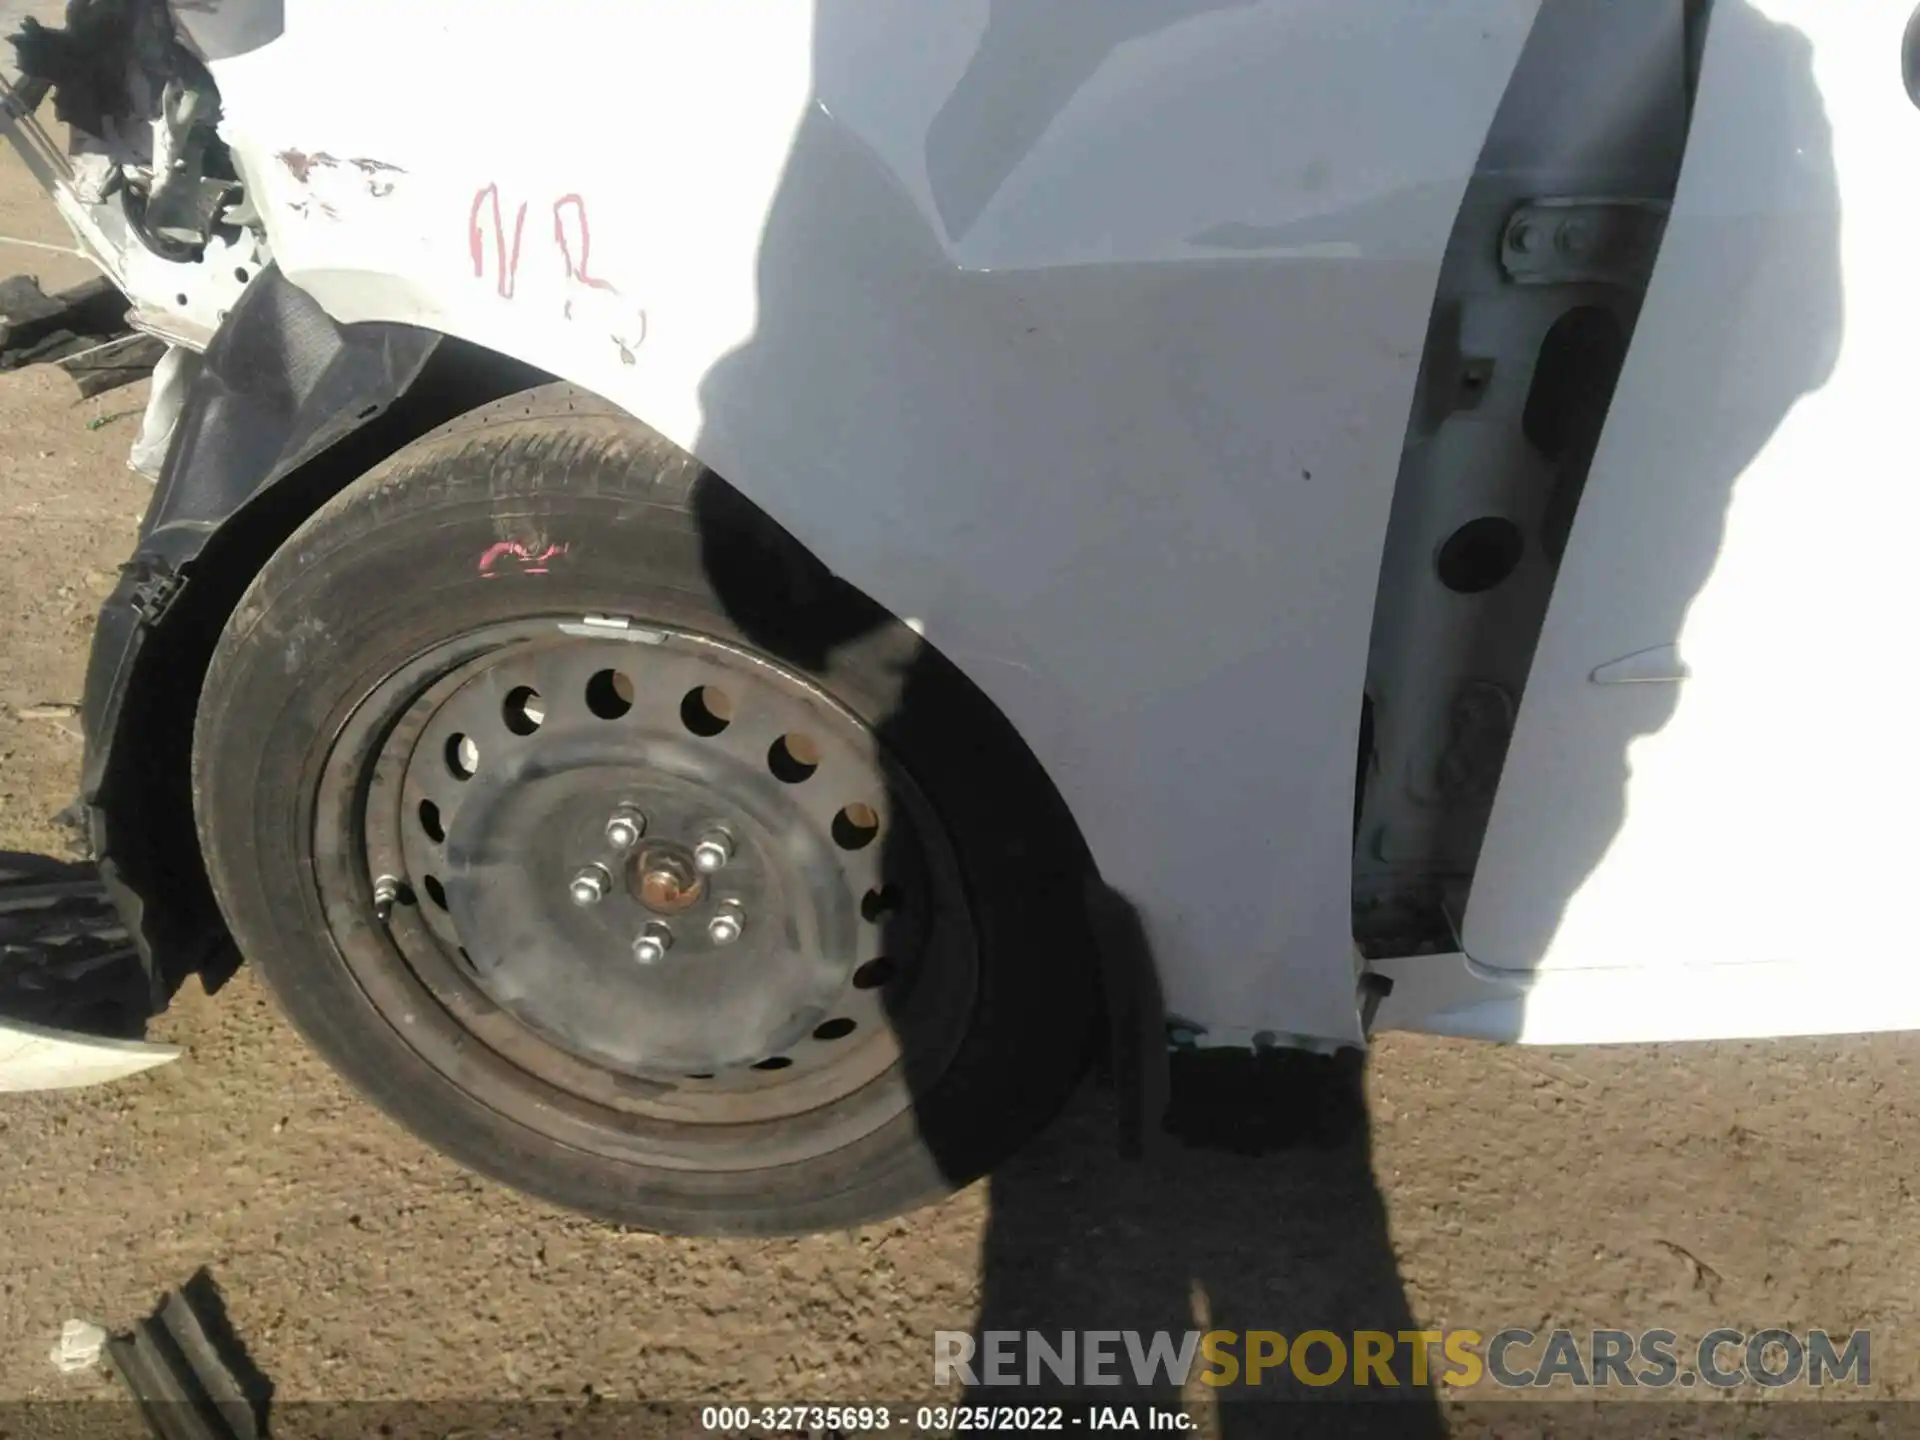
385 573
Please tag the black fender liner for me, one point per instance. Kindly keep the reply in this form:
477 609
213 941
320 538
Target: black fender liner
289 407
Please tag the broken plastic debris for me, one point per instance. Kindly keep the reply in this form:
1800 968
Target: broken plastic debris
172 378
188 1372
81 1342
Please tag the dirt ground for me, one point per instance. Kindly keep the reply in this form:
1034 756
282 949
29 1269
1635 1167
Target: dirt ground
1743 1185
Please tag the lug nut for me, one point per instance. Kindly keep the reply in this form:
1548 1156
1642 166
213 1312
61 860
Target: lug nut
654 942
625 828
591 885
724 928
713 851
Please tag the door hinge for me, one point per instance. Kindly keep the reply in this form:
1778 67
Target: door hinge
1578 241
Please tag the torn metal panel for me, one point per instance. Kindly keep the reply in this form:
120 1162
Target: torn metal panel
144 182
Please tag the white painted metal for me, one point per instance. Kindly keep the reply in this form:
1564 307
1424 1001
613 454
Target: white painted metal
1085 335
1751 505
1453 995
33 1057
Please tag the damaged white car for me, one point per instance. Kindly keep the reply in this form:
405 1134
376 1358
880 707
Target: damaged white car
700 637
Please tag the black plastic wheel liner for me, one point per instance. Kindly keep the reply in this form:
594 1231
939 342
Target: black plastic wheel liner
282 385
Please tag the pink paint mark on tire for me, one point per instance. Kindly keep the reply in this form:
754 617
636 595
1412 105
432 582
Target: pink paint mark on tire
526 559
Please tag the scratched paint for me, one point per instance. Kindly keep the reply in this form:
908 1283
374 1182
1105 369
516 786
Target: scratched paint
300 164
373 173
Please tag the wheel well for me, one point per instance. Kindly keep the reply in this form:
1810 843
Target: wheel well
152 857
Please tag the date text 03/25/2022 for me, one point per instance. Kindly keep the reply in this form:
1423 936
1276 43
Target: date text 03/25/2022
939 1419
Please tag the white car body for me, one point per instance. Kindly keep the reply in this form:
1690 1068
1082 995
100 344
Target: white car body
1086 337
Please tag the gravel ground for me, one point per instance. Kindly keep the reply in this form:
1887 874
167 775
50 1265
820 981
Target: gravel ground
1680 1186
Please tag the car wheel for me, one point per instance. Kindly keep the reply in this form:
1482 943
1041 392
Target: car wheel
600 836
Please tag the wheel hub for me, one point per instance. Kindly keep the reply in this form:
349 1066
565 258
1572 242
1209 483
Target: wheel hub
664 877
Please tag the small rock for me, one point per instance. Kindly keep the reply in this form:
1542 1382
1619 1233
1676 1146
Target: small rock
81 1342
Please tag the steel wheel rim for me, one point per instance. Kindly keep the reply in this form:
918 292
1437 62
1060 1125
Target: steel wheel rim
899 983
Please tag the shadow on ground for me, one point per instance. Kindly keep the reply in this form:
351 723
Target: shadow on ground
1254 1209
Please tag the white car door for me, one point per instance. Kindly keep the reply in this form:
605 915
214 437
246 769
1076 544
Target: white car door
1708 784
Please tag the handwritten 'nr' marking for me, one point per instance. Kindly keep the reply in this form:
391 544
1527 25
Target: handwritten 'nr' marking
508 260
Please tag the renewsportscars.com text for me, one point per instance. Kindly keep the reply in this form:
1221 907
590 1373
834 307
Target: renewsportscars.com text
1512 1358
